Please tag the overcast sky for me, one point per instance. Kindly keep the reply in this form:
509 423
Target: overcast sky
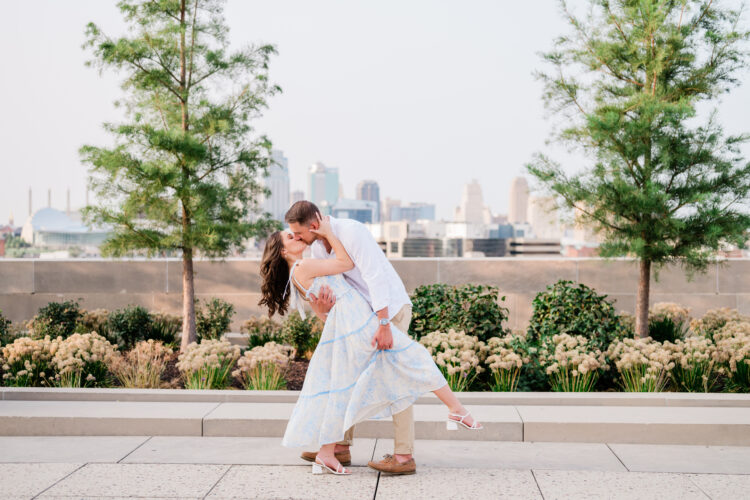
420 95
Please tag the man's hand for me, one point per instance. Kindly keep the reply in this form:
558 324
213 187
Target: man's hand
323 302
383 338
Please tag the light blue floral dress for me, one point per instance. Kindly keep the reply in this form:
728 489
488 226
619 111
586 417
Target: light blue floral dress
348 380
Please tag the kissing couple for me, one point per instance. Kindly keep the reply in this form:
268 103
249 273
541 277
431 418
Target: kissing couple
365 364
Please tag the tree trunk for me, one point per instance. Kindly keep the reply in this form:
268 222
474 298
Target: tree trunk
641 307
188 300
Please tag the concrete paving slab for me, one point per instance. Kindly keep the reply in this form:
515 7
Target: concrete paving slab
139 480
231 450
27 480
112 418
616 485
81 449
644 425
266 482
509 455
718 486
441 483
248 419
684 458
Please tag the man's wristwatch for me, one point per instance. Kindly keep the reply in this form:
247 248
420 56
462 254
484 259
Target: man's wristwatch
385 321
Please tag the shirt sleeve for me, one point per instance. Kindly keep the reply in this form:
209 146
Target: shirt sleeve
371 262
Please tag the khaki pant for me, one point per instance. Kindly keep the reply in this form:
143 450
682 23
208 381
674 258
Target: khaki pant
403 422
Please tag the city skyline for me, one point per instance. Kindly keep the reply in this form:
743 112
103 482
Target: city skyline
388 108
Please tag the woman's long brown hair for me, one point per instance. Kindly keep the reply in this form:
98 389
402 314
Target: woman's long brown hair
274 274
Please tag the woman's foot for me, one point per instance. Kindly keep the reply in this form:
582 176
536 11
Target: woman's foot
461 416
329 463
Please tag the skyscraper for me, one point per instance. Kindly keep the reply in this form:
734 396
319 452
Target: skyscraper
323 184
370 191
543 218
297 196
472 207
277 203
519 200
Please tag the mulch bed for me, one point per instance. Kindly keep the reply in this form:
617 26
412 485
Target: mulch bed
295 374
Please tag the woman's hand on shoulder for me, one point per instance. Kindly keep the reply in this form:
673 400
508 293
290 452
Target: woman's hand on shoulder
324 226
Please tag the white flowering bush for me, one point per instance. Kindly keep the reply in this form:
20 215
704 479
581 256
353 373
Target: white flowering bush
458 355
714 320
733 352
262 368
84 360
27 362
695 367
506 357
143 365
643 364
571 362
207 365
675 312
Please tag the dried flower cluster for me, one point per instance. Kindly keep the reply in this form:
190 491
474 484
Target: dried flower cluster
458 355
733 351
27 361
207 365
695 362
677 313
143 365
87 354
643 364
262 367
714 320
571 362
507 355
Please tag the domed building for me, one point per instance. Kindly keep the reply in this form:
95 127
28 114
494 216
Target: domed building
54 228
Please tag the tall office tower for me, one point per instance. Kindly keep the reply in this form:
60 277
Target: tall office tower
519 200
543 218
277 203
370 191
297 196
323 184
413 212
472 207
388 205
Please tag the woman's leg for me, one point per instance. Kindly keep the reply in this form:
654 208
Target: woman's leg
449 399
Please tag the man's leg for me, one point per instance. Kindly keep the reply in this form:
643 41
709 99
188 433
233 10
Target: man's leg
403 422
348 440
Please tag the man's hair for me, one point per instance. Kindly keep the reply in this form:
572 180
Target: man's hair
302 212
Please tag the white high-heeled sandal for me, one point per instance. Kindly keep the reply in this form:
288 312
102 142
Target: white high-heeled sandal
321 468
452 424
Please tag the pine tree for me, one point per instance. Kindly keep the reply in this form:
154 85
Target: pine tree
663 185
183 174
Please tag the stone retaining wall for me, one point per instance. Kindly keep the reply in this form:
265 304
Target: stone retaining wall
27 285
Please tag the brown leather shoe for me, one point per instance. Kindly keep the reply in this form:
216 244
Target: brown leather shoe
345 457
390 465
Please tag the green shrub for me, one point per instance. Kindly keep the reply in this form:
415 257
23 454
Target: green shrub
666 330
6 337
56 319
129 325
213 319
473 309
576 310
302 334
261 331
167 328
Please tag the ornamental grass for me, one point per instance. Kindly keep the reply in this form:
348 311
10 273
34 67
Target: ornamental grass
714 320
733 351
571 363
27 362
142 366
642 364
207 365
84 360
695 367
262 368
506 357
458 355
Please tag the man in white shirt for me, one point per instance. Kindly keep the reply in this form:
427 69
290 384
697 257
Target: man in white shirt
376 279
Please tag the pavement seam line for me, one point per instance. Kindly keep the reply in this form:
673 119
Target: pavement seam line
59 480
690 479
533 475
618 457
218 480
377 482
134 449
523 424
374 447
203 418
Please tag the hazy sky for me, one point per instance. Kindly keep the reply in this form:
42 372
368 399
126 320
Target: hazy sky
420 95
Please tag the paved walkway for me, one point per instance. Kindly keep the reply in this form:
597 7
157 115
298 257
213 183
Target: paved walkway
229 467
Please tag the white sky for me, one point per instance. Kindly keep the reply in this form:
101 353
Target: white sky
420 95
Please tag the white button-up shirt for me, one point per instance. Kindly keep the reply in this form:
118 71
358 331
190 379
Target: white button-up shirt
373 275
